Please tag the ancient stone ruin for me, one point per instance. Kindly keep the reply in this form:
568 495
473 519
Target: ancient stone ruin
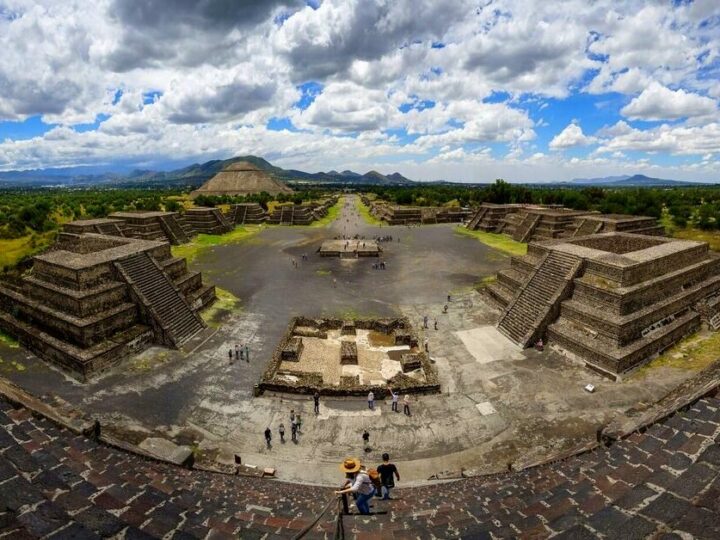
241 178
349 248
415 215
613 299
206 220
349 357
93 299
166 226
526 223
300 214
246 214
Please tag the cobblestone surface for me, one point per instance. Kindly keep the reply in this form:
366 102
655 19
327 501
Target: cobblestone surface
664 482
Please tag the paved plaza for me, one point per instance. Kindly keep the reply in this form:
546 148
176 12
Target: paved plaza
498 404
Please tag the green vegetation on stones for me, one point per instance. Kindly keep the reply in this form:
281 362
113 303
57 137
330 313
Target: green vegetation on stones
8 340
364 212
693 353
332 215
501 242
226 302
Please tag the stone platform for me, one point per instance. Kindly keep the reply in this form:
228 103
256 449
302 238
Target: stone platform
612 299
350 248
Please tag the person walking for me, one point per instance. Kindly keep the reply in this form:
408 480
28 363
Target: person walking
406 404
298 421
281 429
427 348
293 430
230 355
292 415
366 440
316 400
236 352
268 437
247 354
388 474
239 352
371 400
425 321
394 397
435 323
357 481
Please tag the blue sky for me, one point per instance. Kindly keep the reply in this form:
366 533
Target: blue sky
514 88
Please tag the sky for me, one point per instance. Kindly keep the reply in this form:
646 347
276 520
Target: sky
456 90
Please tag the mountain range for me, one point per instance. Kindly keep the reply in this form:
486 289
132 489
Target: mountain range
192 176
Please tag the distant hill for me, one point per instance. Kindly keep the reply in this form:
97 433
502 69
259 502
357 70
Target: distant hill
637 180
191 176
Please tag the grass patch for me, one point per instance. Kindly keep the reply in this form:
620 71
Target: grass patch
692 353
323 272
332 215
484 282
8 340
364 212
201 242
711 237
226 302
12 251
501 242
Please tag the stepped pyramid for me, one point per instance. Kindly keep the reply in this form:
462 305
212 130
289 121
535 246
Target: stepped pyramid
241 178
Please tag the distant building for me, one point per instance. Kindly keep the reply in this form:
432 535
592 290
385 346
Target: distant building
241 178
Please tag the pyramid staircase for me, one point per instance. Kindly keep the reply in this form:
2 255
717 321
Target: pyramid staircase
588 227
477 218
110 229
526 227
173 230
537 303
163 302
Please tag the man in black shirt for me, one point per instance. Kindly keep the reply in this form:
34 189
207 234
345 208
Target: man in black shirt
388 473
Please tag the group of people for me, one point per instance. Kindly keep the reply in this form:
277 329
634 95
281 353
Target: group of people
386 238
394 398
241 353
379 265
364 484
295 426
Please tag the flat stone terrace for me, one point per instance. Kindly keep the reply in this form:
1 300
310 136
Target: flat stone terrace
663 483
349 248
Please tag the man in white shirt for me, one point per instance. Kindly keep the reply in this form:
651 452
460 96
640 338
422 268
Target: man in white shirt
371 400
359 483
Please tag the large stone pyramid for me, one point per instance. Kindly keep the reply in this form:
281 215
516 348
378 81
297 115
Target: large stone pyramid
241 178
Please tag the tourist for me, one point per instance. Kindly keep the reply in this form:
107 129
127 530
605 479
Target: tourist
435 323
241 352
394 396
425 320
358 482
293 430
268 437
427 348
445 308
230 355
449 299
236 351
406 404
366 439
298 421
371 400
540 346
247 354
316 399
281 429
388 473
292 415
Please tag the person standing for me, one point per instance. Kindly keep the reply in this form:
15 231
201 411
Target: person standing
394 397
298 421
236 352
406 404
366 439
247 353
371 400
293 430
435 323
282 432
388 474
358 482
230 355
316 400
425 321
268 437
239 353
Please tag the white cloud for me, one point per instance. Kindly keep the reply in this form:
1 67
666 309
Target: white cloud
657 102
571 136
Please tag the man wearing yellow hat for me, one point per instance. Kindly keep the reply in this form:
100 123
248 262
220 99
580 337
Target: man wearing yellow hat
358 482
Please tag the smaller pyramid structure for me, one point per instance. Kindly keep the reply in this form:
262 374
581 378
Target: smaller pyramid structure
241 178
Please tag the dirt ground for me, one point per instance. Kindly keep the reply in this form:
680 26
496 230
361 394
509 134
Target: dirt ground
498 403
